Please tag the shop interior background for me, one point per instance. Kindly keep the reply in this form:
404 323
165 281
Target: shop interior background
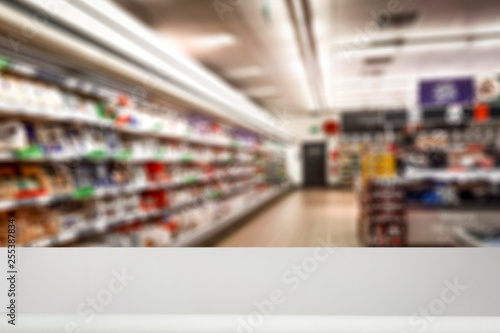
250 122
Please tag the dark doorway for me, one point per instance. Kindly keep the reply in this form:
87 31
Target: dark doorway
314 164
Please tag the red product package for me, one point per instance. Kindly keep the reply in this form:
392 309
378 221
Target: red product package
157 172
154 200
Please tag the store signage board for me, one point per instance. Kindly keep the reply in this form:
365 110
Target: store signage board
446 91
451 115
434 116
495 111
362 121
396 119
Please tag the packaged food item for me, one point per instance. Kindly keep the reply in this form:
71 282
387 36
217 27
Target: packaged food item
144 118
154 236
71 105
154 200
102 176
12 136
4 222
33 150
123 107
32 182
10 91
35 96
35 223
157 172
90 213
139 177
69 218
54 99
79 107
75 215
8 183
129 149
60 181
121 174
130 204
51 138
47 221
107 111
82 176
26 230
95 142
112 142
147 148
109 208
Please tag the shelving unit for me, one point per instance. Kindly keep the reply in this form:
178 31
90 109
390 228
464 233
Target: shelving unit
446 168
126 164
349 165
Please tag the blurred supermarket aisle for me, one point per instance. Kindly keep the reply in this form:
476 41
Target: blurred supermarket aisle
310 217
163 123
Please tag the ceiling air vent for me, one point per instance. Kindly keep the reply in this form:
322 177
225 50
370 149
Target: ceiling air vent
388 42
398 20
372 72
376 61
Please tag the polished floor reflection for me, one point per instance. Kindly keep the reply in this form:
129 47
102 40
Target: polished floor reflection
311 217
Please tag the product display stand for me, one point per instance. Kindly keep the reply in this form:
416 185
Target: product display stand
383 217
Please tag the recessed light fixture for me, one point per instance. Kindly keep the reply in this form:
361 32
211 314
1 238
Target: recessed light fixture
214 41
244 72
375 61
262 91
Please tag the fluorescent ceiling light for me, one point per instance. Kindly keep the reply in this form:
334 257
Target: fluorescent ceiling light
347 50
456 32
142 45
372 104
409 79
244 72
419 34
214 41
340 92
262 91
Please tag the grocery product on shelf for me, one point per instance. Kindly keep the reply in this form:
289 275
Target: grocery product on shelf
12 136
8 182
442 165
78 163
383 211
383 216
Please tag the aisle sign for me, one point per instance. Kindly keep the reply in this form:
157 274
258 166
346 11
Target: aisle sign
446 91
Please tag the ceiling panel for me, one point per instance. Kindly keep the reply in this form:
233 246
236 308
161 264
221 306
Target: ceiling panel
263 41
431 45
350 82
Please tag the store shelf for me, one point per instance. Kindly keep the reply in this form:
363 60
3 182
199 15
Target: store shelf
449 175
102 137
110 191
8 158
465 238
459 207
71 236
197 237
68 117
